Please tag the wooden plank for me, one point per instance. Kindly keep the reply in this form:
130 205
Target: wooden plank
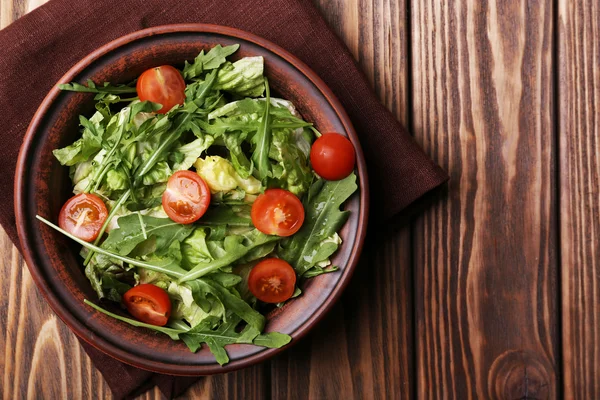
363 348
32 335
485 255
579 105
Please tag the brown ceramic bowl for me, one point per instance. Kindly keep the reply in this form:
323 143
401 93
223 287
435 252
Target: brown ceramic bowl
42 186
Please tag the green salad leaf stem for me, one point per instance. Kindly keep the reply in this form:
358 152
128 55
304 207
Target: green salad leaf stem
172 270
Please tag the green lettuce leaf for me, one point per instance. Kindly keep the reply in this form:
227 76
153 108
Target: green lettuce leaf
293 172
233 249
243 77
203 288
190 152
220 175
194 250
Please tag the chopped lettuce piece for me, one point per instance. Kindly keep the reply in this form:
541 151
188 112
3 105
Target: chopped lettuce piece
243 77
220 176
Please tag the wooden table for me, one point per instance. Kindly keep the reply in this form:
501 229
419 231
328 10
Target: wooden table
494 290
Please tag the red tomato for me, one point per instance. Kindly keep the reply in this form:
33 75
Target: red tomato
332 156
148 303
186 198
163 85
83 216
272 280
277 212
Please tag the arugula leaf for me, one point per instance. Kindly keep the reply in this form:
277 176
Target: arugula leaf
227 215
273 340
166 267
211 60
91 87
262 140
322 220
317 270
235 252
114 287
173 333
225 279
85 147
224 334
135 229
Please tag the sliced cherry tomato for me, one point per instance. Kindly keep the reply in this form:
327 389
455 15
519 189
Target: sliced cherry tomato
163 85
148 303
186 198
83 216
272 280
277 212
332 156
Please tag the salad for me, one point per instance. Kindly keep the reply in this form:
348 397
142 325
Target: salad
201 201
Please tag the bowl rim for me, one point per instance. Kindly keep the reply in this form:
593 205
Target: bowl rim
98 342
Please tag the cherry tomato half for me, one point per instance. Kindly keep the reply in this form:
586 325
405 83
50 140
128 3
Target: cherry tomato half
83 216
148 303
272 280
277 212
163 85
332 156
186 198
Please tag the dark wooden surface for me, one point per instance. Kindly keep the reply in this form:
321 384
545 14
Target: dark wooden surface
493 290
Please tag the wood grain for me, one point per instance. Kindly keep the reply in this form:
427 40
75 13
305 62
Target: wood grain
485 256
579 97
474 80
363 348
32 335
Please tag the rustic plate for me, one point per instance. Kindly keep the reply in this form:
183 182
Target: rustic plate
42 186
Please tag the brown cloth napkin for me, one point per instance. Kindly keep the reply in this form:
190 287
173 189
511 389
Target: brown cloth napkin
39 48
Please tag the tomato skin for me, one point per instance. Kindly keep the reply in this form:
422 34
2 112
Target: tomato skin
332 156
163 85
148 303
83 216
186 198
272 280
277 212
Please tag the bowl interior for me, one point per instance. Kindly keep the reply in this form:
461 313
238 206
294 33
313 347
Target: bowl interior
43 185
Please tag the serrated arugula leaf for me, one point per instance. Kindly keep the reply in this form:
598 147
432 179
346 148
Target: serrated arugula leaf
225 334
173 333
227 215
165 266
323 218
135 229
91 87
213 59
262 140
